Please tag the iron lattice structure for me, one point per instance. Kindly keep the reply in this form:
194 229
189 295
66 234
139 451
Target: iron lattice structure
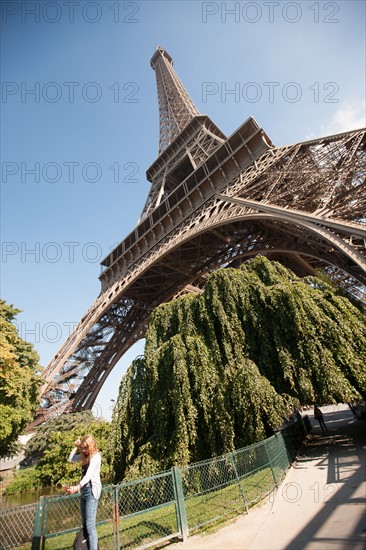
214 202
176 109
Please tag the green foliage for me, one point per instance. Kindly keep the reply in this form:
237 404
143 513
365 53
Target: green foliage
341 289
222 369
19 381
63 423
53 466
24 480
59 436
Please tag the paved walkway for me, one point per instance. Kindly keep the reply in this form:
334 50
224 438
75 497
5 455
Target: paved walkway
321 504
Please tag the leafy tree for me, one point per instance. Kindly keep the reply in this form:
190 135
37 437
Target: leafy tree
63 423
26 479
53 466
222 369
19 380
51 447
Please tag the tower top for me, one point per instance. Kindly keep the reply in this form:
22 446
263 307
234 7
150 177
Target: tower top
158 53
176 109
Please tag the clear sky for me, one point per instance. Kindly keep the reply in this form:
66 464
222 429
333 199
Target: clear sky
80 123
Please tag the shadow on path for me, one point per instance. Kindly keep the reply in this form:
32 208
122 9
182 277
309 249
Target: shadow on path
341 521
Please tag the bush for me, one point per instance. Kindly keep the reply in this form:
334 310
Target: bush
24 480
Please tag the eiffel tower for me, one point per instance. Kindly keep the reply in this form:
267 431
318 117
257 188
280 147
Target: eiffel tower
214 201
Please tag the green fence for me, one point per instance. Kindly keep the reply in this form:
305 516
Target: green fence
169 505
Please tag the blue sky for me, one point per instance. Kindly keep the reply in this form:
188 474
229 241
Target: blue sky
80 123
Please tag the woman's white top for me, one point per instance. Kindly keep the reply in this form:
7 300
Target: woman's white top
92 473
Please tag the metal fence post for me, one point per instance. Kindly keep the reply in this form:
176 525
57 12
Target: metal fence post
115 513
270 463
180 502
231 456
37 527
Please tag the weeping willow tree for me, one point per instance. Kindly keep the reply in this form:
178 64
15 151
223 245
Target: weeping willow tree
222 369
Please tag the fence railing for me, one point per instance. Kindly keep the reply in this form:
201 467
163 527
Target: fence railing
152 510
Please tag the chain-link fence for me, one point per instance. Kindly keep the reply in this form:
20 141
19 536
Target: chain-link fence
16 526
172 504
228 485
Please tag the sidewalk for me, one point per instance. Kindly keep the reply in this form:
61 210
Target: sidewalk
321 504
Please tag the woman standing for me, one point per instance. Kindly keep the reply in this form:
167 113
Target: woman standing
90 485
